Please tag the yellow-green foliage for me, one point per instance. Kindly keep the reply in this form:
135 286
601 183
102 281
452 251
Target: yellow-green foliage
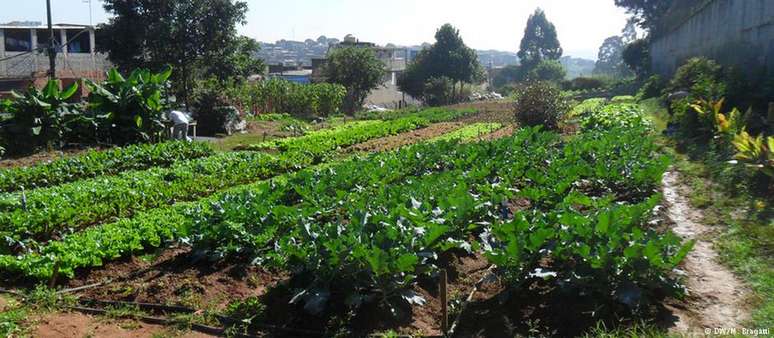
755 152
469 132
587 106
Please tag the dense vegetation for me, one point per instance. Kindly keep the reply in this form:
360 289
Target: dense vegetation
120 110
97 163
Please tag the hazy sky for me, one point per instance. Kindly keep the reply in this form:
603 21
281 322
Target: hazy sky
484 24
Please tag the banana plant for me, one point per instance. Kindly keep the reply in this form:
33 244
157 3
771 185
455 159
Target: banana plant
131 109
38 117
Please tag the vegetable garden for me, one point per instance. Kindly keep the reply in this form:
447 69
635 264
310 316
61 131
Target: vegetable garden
366 231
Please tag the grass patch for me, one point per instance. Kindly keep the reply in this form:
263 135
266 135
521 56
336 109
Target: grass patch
639 330
656 112
12 318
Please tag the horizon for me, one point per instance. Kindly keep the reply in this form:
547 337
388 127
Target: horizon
493 25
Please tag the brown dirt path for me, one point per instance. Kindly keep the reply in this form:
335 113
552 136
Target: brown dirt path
715 296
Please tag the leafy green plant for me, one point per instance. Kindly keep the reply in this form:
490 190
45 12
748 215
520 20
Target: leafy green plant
39 118
245 312
755 152
277 95
468 132
97 163
614 115
130 109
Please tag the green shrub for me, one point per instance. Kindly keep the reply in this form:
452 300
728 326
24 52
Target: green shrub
439 91
281 96
547 70
585 83
540 103
38 118
214 110
693 71
587 106
614 115
654 86
623 99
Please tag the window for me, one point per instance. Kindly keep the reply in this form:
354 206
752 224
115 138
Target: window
18 40
44 37
78 41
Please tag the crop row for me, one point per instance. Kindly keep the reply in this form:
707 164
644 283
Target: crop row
378 236
371 226
469 132
97 163
109 241
45 213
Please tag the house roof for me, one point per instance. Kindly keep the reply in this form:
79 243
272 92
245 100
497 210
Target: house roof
41 26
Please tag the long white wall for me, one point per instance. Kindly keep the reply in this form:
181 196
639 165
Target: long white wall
733 32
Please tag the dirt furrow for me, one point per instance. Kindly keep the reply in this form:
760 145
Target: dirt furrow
715 296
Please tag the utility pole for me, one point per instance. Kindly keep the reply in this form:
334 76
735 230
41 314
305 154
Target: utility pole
51 44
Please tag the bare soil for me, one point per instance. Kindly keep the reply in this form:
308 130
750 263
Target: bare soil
176 277
77 325
498 134
403 139
716 298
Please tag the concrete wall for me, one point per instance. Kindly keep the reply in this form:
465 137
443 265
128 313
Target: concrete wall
733 32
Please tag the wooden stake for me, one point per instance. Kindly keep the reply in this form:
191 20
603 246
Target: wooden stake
52 281
444 302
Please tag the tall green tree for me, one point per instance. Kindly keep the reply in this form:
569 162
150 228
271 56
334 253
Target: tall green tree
540 41
610 58
357 69
646 13
448 60
636 55
240 61
194 36
547 70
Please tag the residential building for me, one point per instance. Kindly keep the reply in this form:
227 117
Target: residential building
24 59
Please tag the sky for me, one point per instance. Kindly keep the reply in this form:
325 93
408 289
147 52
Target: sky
582 25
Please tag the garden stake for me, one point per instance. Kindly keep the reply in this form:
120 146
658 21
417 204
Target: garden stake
54 274
444 303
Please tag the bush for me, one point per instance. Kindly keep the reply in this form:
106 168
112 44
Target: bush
584 83
654 86
214 111
547 70
615 115
38 118
281 96
439 91
694 71
623 99
540 103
